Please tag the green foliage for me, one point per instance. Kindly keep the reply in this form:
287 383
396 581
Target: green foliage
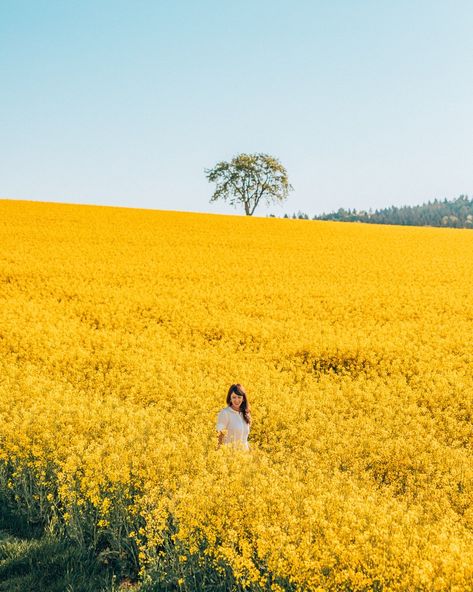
457 213
32 559
248 179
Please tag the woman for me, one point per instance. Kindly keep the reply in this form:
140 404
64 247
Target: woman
233 422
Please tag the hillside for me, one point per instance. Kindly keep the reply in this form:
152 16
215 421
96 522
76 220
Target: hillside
120 333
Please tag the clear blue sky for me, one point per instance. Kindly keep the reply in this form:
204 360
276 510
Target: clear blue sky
367 103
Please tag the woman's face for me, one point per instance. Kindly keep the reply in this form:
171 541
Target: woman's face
236 400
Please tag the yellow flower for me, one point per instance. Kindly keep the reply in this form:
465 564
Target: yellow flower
121 331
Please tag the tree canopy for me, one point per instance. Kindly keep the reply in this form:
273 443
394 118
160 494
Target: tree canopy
456 213
249 179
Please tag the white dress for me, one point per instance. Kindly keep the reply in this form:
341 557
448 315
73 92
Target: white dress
235 427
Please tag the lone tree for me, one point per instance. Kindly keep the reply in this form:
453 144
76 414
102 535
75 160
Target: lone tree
248 179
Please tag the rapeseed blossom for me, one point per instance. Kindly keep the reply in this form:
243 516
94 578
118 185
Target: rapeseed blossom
120 332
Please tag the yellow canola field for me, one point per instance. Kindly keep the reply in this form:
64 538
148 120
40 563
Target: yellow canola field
120 333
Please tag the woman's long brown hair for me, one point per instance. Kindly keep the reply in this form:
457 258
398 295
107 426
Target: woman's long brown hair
245 406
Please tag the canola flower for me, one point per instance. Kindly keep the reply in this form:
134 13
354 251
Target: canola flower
353 344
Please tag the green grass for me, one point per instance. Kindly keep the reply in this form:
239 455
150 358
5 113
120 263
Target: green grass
31 560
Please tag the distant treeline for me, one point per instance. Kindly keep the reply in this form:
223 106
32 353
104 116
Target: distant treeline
457 213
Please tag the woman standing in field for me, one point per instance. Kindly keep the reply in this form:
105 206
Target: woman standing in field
233 422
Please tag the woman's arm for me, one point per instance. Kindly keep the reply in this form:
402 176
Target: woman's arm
222 425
